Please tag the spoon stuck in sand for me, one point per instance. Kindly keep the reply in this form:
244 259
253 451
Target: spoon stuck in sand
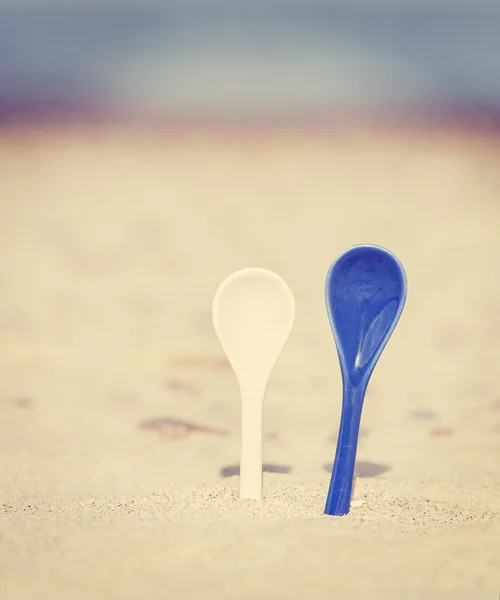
365 295
253 313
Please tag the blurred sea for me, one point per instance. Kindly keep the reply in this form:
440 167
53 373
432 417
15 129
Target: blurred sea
273 64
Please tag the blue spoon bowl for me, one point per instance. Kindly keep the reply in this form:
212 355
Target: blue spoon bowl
365 295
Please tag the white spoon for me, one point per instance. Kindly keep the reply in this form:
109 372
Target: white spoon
253 313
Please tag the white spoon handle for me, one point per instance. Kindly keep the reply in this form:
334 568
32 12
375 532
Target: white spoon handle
252 403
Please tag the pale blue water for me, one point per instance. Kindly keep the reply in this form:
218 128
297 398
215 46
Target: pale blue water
260 62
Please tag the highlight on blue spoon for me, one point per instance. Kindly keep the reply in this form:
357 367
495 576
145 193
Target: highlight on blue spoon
365 295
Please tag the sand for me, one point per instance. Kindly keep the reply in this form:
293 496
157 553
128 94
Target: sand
119 415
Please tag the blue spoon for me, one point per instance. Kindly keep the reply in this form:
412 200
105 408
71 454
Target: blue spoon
365 295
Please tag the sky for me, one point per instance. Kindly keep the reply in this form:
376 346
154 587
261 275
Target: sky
183 5
219 62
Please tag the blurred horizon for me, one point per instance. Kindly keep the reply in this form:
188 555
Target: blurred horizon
221 61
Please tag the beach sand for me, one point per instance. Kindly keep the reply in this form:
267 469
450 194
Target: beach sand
119 415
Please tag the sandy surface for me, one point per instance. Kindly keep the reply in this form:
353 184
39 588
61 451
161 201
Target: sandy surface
119 417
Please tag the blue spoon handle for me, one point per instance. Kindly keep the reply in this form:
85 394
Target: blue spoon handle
339 493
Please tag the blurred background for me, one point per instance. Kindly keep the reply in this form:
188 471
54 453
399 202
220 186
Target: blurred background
240 60
148 149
